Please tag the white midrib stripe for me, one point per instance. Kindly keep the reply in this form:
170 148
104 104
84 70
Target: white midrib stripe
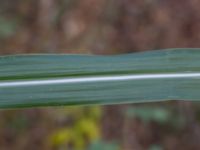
97 79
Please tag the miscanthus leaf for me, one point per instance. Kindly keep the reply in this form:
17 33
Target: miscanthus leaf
47 80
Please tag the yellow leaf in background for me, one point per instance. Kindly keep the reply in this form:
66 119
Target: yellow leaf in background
88 128
61 136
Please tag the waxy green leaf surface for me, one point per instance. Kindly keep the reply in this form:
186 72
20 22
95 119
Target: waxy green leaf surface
48 80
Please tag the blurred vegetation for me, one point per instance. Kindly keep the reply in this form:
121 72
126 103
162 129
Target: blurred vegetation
83 128
99 145
156 114
100 27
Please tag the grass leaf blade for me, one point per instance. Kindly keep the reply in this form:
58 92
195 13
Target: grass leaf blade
47 80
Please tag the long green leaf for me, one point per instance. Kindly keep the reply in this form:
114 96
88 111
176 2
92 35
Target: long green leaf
47 80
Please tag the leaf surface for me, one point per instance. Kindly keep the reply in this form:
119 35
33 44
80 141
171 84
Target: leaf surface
48 80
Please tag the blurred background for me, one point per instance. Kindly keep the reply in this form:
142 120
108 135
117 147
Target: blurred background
105 28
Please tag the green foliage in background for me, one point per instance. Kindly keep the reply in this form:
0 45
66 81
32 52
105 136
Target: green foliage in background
159 115
7 27
102 145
